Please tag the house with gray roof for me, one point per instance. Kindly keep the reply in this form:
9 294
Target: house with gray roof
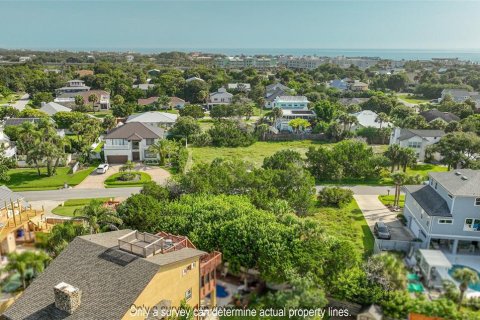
418 140
461 95
154 118
434 114
130 142
102 276
445 212
51 108
368 118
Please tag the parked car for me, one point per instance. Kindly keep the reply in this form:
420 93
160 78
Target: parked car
381 230
102 168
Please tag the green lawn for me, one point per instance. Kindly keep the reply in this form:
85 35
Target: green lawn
9 98
413 99
388 200
27 179
348 223
71 205
113 182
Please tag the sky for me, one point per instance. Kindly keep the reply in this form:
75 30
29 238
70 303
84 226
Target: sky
190 24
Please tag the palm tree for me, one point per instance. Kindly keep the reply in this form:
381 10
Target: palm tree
97 216
399 179
382 117
387 270
262 130
465 276
393 154
163 101
25 261
79 101
406 157
93 98
163 148
276 113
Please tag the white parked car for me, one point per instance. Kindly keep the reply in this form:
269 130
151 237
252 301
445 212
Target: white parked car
102 168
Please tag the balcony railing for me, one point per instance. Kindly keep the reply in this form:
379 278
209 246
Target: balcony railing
210 262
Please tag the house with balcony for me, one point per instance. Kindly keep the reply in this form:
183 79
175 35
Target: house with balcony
418 140
130 142
221 96
73 86
123 274
445 212
293 107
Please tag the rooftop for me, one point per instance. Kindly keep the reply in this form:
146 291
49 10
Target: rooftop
292 98
429 200
408 133
461 182
136 128
153 116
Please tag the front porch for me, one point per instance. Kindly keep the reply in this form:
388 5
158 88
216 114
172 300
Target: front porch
456 246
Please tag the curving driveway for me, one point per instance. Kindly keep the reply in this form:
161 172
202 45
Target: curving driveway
96 181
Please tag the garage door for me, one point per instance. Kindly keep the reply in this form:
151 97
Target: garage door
415 228
117 159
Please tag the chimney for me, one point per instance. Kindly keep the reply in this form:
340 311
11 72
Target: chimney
67 297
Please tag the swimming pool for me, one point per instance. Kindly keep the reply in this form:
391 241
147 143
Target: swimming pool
221 291
473 286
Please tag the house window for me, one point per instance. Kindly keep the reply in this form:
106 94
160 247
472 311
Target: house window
445 221
477 201
188 294
149 141
414 144
471 224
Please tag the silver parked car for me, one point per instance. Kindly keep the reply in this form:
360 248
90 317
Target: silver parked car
101 169
381 230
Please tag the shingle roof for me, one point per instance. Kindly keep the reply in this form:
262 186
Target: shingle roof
153 116
110 279
460 182
7 196
20 121
140 129
408 133
275 93
429 200
52 108
433 114
293 98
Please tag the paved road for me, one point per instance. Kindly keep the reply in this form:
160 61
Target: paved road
66 194
22 102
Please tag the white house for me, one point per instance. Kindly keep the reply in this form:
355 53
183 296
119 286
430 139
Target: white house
154 118
73 86
291 102
418 140
130 142
367 118
52 108
293 107
9 151
221 96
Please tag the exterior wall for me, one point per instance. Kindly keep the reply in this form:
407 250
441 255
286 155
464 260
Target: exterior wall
418 221
463 208
292 105
171 284
126 150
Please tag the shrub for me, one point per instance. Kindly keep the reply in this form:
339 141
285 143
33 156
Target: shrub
335 197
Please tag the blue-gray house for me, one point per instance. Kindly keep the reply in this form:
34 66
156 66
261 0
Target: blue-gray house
445 213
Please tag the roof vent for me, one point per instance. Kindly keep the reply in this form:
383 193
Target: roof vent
67 297
458 173
464 178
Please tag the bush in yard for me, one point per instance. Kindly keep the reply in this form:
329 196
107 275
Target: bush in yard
228 133
335 197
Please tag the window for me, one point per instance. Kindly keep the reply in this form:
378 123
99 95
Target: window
188 294
436 185
472 224
477 201
445 221
149 141
414 144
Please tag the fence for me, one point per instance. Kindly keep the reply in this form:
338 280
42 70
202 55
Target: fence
394 245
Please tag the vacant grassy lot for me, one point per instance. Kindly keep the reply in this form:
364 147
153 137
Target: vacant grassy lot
388 200
347 223
114 182
413 99
27 179
71 205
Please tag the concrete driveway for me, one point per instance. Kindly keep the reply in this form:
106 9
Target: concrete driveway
373 211
96 181
22 102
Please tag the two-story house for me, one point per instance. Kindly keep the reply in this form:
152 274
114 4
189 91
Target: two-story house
445 213
418 140
122 274
221 96
293 107
73 86
130 142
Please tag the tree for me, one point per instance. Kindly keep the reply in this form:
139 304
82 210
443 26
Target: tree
65 120
79 101
185 126
164 149
40 97
93 98
299 124
387 270
275 114
123 110
397 82
393 153
466 277
109 122
118 100
228 133
325 110
382 118
22 262
192 110
459 149
399 179
262 130
61 235
97 216
283 159
196 91
407 157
